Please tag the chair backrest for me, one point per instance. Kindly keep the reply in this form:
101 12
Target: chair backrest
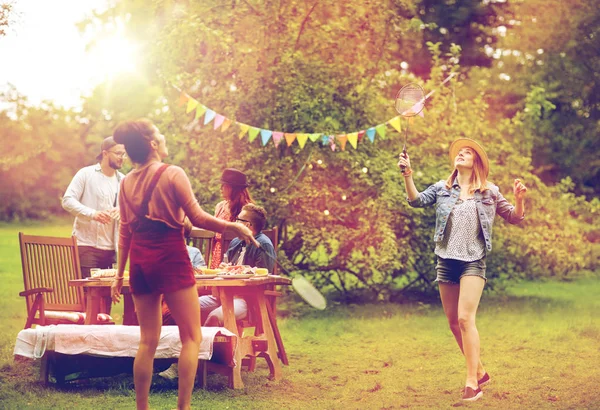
203 240
272 234
50 262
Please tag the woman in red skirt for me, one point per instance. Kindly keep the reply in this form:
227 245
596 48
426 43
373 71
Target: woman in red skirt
154 198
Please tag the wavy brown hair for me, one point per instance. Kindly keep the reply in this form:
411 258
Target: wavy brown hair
240 196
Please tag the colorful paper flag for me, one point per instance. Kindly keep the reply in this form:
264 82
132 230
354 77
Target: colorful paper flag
353 139
218 121
314 137
371 134
381 130
361 135
191 104
183 98
277 136
243 130
395 122
201 109
253 133
265 136
226 124
209 116
342 139
302 138
289 138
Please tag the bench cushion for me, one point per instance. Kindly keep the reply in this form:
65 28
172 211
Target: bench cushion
110 341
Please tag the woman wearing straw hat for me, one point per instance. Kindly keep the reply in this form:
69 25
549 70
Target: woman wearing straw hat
466 204
234 190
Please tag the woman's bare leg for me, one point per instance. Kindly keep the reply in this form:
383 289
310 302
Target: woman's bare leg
449 294
185 309
471 288
150 319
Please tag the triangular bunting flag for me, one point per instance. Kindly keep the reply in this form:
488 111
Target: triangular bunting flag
314 137
243 130
422 113
277 136
395 122
342 139
191 104
208 117
371 134
183 98
199 111
226 124
332 147
218 121
381 130
361 135
302 138
265 136
353 139
253 132
289 138
325 139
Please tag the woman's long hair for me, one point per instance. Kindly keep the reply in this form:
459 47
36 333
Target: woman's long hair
240 196
478 179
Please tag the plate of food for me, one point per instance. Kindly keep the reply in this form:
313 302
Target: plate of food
236 276
201 276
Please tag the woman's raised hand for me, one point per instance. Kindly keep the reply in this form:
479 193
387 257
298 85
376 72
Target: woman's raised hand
519 190
404 161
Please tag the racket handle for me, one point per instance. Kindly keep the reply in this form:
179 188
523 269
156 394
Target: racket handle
403 168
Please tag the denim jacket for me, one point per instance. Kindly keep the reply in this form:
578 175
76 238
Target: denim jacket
489 203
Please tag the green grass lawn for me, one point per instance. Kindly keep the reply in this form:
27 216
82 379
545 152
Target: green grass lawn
540 343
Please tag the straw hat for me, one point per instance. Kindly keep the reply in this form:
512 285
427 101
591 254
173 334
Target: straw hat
461 143
234 177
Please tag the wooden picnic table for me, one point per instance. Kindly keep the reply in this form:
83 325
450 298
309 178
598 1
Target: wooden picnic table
263 343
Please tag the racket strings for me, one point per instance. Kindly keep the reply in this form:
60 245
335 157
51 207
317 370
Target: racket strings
408 99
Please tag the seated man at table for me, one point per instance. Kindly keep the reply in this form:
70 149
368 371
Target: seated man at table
239 253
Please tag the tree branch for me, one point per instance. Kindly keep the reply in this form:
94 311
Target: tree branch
304 24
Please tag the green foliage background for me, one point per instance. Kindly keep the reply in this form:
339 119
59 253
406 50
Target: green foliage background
327 67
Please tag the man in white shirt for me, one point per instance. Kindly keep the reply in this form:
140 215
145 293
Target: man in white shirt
92 198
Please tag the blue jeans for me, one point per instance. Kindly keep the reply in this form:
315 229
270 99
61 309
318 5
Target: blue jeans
211 309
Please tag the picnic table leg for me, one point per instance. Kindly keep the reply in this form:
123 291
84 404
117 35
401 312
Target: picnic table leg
271 354
94 302
226 296
277 335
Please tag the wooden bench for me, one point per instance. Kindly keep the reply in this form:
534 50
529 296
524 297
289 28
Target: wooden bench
100 351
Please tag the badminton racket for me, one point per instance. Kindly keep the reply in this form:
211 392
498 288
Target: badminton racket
410 101
303 287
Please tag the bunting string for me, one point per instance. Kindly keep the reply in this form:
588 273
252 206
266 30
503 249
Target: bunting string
334 141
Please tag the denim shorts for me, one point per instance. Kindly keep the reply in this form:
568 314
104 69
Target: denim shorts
451 270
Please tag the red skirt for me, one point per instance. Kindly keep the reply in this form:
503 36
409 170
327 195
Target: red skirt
159 262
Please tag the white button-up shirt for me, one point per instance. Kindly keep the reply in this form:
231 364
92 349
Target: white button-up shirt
91 191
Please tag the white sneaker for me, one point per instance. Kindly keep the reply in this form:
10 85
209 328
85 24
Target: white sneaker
171 373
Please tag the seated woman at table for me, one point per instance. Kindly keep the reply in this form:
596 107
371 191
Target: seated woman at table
238 253
234 190
154 198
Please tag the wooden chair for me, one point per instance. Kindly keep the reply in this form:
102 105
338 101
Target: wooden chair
203 240
48 265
